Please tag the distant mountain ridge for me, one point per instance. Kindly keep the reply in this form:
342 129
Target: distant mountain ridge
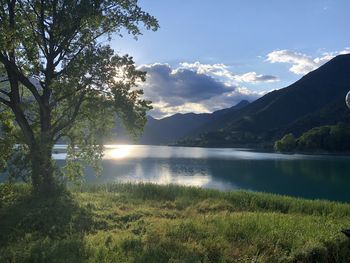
316 99
170 130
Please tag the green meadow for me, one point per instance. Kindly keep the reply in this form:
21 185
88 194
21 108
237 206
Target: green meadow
151 223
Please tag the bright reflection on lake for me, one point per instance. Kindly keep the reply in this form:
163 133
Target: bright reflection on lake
120 152
309 176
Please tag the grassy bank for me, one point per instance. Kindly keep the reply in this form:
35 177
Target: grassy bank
149 223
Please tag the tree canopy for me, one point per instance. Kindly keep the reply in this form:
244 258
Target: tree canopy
61 80
330 138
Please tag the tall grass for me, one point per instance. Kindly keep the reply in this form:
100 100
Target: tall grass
151 223
241 200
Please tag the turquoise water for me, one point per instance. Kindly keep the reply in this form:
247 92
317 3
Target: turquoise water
308 176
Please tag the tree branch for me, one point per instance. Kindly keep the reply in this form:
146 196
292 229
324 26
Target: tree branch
6 102
74 115
12 67
56 101
5 93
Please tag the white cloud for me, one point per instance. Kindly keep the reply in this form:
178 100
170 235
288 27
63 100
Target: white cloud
302 64
162 109
253 77
222 71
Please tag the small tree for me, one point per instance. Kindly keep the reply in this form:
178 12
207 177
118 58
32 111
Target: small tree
286 144
63 82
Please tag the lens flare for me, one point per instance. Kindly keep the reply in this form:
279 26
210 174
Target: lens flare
347 99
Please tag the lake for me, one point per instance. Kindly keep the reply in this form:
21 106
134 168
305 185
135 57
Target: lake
308 176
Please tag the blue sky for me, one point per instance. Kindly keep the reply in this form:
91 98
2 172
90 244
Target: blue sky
210 54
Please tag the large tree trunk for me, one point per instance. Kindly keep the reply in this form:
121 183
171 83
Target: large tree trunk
43 177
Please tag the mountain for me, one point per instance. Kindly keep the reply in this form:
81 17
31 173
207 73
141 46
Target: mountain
316 99
171 129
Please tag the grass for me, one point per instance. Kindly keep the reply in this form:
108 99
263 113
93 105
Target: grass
150 223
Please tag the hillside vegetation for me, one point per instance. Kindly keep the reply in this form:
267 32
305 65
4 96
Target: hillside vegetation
149 223
333 138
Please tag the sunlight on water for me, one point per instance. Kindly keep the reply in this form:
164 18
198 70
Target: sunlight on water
166 176
117 152
160 172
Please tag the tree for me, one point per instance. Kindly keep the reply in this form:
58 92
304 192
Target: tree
315 139
65 82
339 137
286 144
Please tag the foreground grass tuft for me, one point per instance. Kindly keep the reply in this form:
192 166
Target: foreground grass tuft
150 223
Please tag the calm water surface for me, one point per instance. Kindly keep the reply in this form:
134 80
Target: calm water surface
309 176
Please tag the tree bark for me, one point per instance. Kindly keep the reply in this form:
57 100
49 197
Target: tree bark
43 177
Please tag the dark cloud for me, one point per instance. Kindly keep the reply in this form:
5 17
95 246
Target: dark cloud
184 90
266 78
181 85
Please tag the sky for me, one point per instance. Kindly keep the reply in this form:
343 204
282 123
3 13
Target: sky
208 55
